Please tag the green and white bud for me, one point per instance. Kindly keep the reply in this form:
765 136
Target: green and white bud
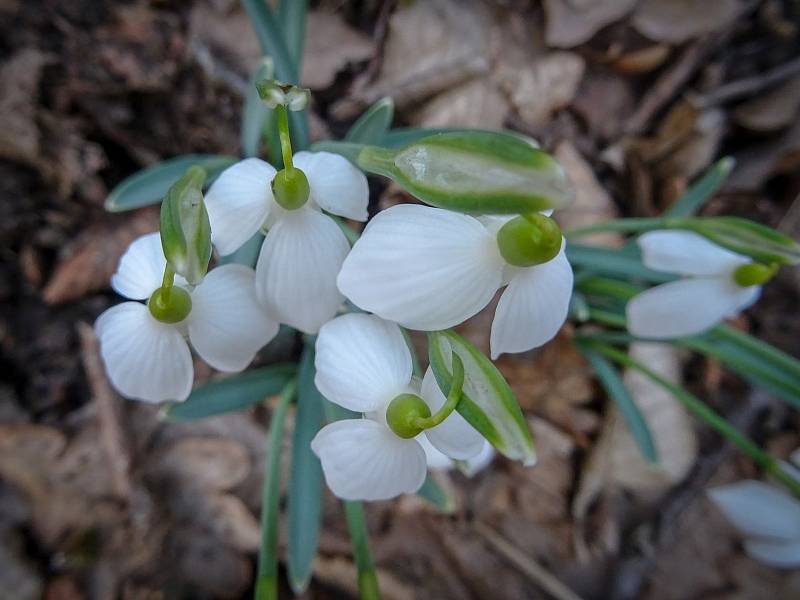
474 171
185 229
275 93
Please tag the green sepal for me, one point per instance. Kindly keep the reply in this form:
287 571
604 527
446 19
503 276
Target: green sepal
487 402
474 171
185 229
745 237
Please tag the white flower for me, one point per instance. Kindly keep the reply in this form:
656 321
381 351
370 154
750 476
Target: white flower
705 296
430 269
768 519
439 461
304 248
362 364
150 360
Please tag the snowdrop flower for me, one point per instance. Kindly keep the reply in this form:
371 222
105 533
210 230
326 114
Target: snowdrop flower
143 345
430 269
717 284
768 519
439 461
304 248
364 364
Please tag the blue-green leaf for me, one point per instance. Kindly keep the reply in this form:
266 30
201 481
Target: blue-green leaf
247 254
292 16
701 190
305 486
255 111
359 538
436 495
371 127
487 402
623 263
233 393
150 185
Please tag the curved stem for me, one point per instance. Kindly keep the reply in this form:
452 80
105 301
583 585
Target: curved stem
452 398
631 225
283 132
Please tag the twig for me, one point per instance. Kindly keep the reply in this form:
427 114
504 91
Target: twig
748 85
527 565
111 436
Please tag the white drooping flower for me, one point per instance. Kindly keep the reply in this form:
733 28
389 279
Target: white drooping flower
439 461
707 293
767 518
149 360
304 248
363 363
430 269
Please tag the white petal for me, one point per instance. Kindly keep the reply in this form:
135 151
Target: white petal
687 253
480 461
238 203
227 325
433 457
686 306
781 555
141 268
425 268
145 359
297 268
362 362
454 437
336 185
759 510
533 307
364 460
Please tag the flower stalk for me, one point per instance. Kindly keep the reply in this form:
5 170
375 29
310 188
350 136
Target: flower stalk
452 397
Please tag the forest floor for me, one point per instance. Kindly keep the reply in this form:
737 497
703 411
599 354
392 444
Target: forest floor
104 498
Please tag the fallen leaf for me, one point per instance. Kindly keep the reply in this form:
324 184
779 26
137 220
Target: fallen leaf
772 111
476 103
330 45
642 60
676 21
573 22
209 566
205 462
604 100
88 263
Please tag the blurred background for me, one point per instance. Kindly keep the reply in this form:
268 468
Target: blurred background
103 498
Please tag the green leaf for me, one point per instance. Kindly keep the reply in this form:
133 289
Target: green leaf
350 150
474 171
487 402
701 190
233 393
270 37
305 485
371 127
256 112
616 390
267 578
359 538
619 263
150 185
436 495
292 16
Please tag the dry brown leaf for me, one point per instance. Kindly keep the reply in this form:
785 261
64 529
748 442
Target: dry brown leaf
476 103
232 522
330 45
227 35
545 86
592 202
208 463
210 566
676 21
604 100
17 573
695 153
89 262
643 60
772 111
573 22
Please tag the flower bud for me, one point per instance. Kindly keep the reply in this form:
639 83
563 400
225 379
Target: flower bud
529 240
745 237
275 93
290 188
185 229
474 171
403 412
170 305
754 274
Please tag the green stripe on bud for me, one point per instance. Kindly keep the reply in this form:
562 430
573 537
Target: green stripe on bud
744 237
474 171
529 240
185 229
754 274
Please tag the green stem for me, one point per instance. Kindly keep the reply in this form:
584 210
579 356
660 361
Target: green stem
377 160
606 317
283 132
267 580
368 588
452 398
702 411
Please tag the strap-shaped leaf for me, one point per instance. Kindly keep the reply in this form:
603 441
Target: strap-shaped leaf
436 495
256 113
619 263
292 16
233 393
150 185
305 486
487 402
371 127
702 189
